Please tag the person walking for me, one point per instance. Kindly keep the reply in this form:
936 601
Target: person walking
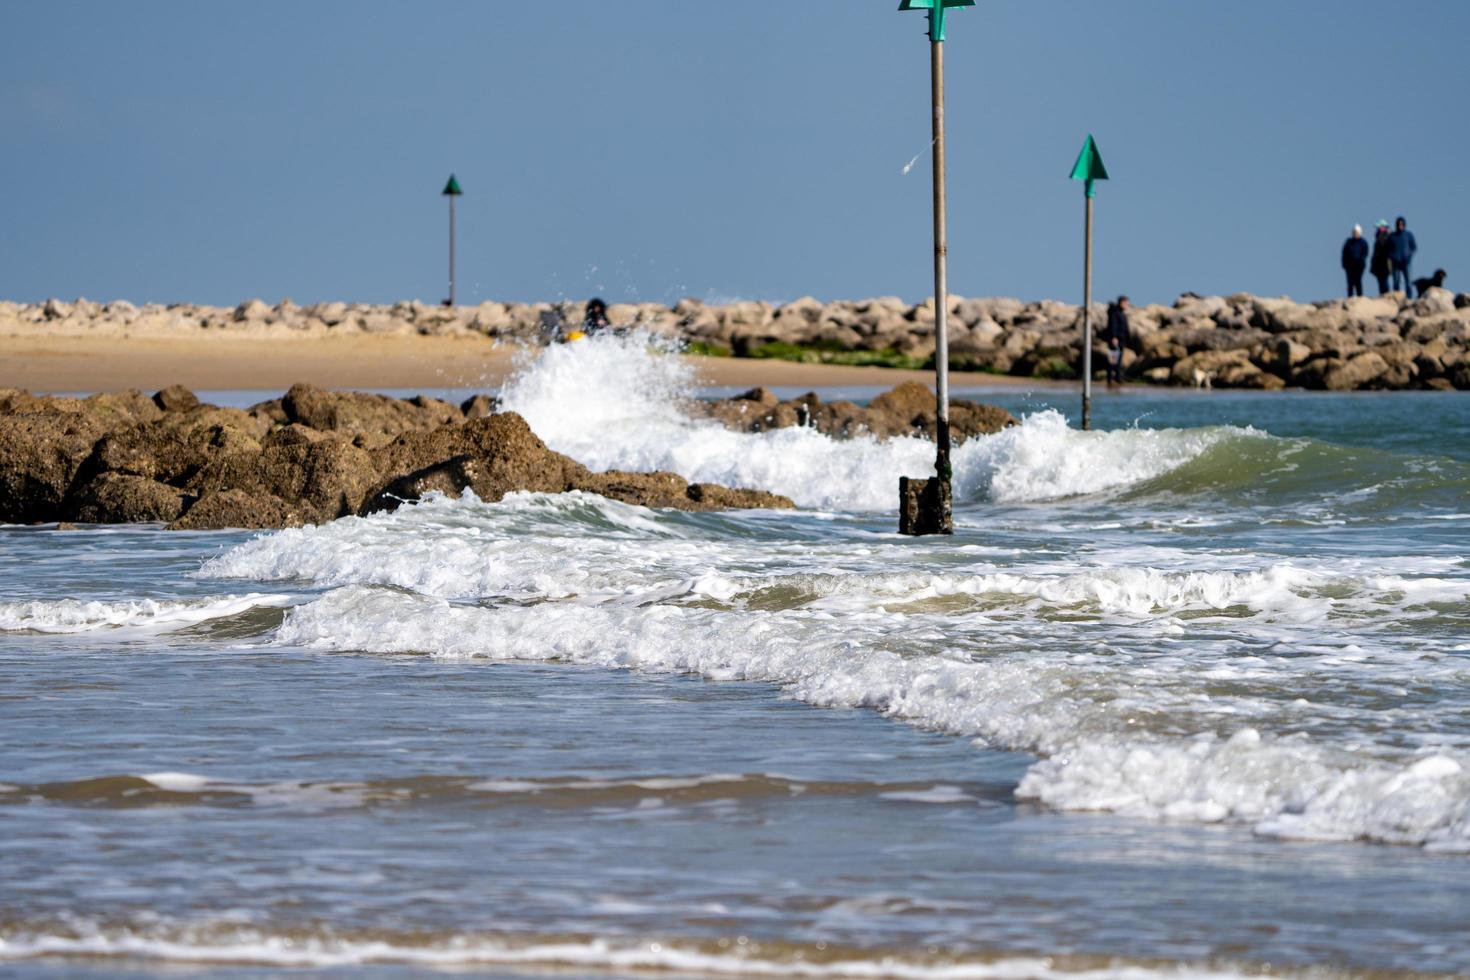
1382 265
1117 339
1401 249
1355 260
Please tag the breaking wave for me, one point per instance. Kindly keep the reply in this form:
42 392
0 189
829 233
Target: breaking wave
309 944
78 616
614 403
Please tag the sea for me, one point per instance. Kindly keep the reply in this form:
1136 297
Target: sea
1186 695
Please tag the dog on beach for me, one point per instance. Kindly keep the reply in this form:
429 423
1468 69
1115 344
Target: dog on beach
1435 281
1202 379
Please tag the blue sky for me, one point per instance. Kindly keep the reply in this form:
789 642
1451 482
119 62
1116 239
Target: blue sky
652 149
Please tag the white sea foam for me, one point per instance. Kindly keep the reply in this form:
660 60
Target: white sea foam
78 616
231 943
614 403
1080 713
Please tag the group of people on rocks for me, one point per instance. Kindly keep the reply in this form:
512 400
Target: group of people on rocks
1388 260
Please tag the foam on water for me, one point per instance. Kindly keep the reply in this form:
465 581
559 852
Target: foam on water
1080 712
227 942
77 616
618 403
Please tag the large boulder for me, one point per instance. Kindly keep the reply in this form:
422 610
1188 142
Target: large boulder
175 398
374 419
500 454
909 409
113 408
669 490
176 446
117 498
1212 366
40 454
1361 370
221 509
509 457
322 477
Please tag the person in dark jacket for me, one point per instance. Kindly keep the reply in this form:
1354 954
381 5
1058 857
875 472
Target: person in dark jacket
595 319
1117 337
1355 260
1401 249
1382 265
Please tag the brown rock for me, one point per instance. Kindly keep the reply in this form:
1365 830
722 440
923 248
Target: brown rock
40 454
117 498
500 454
1360 371
669 490
221 509
175 398
173 448
376 417
319 477
905 410
506 454
15 401
115 408
712 496
479 406
1214 365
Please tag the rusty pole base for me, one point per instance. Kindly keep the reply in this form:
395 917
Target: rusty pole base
924 506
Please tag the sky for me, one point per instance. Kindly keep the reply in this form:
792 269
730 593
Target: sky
648 150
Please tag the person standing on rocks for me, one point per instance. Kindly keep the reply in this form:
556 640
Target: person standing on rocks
1401 249
1117 339
1382 264
1355 260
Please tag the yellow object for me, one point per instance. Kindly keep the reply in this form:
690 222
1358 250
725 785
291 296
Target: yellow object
576 335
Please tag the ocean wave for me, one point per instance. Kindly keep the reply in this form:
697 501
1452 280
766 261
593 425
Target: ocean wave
81 616
307 945
544 792
1081 714
629 413
594 550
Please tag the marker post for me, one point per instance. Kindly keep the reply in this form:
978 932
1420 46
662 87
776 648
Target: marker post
924 506
1089 168
451 191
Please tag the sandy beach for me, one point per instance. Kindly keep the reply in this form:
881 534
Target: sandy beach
88 364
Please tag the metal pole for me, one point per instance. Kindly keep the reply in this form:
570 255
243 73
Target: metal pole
1087 316
451 249
941 273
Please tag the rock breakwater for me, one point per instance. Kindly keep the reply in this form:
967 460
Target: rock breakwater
1240 341
308 457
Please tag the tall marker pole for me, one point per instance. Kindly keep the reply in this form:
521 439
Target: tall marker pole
1089 168
451 191
925 505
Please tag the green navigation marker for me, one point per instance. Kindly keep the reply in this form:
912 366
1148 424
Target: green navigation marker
452 188
937 10
1089 165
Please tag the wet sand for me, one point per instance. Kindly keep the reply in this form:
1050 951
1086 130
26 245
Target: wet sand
87 364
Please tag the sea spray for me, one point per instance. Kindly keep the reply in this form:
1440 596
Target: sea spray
617 403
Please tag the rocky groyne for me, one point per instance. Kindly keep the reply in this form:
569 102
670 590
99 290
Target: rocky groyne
308 457
1238 341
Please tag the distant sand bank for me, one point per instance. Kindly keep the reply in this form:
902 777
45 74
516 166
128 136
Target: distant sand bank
220 362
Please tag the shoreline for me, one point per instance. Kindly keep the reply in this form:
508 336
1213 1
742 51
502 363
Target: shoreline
56 364
1238 342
